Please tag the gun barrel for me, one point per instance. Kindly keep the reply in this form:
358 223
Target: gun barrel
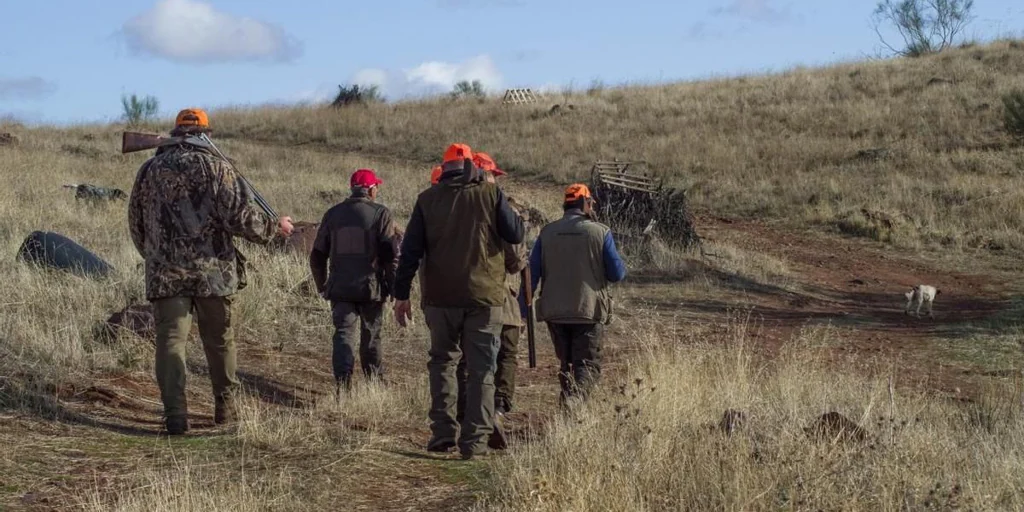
531 335
260 201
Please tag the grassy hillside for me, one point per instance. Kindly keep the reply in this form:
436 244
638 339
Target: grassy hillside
79 416
795 146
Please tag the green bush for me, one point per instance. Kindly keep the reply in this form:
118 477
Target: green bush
467 89
1014 113
356 95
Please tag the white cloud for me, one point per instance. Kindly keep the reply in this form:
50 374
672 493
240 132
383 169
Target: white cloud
368 77
193 31
25 88
432 77
756 10
445 74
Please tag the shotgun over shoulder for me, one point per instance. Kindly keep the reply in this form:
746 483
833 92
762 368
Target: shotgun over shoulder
138 141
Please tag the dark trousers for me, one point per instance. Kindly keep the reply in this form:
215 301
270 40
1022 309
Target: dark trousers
470 334
578 347
352 320
504 375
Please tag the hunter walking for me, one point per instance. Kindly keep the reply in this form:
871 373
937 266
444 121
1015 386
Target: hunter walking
515 259
575 260
357 238
186 206
457 228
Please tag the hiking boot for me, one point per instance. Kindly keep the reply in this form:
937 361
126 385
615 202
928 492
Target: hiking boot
470 454
502 405
224 412
176 425
441 447
342 386
498 440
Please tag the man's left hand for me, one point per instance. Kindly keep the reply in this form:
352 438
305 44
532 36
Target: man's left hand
403 312
285 227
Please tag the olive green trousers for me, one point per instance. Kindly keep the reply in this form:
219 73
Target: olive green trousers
173 323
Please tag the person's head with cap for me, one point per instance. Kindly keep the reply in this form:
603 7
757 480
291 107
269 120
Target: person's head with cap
484 162
454 160
191 121
364 183
577 197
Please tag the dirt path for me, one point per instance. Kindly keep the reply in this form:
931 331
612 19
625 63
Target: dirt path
857 287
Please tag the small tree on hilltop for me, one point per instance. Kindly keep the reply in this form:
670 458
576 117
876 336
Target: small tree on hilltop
138 110
467 89
926 26
356 95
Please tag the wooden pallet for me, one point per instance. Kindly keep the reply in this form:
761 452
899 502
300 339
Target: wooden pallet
519 97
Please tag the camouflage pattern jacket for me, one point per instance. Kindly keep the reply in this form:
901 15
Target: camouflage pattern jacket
184 209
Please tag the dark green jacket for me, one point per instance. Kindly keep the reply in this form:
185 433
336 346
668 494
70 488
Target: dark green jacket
456 229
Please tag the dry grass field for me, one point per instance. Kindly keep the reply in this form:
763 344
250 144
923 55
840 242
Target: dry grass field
795 310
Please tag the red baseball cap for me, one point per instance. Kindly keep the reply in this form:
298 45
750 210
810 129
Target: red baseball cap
365 178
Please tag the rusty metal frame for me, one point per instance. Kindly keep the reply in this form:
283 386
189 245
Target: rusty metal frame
622 175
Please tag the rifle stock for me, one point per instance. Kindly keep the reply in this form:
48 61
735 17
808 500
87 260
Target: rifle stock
531 335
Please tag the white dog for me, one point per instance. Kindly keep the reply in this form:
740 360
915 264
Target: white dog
921 294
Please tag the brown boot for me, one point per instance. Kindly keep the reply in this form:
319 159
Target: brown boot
224 411
176 425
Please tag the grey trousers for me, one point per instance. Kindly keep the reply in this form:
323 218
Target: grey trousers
356 321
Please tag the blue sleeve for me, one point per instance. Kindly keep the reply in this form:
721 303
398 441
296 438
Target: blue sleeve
614 267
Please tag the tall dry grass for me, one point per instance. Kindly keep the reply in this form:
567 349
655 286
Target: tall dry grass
48 319
189 486
650 441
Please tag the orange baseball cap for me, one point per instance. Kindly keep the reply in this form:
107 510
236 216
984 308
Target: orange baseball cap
192 118
457 153
577 191
485 162
435 175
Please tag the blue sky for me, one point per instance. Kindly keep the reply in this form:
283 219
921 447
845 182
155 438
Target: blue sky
69 61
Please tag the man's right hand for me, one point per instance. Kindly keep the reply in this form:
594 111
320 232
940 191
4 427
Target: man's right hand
285 227
403 312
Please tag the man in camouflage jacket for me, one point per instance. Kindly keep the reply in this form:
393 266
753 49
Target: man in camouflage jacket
185 207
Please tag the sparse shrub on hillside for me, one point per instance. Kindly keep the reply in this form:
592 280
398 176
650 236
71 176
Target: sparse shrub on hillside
596 87
357 95
926 26
138 110
467 89
1014 115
